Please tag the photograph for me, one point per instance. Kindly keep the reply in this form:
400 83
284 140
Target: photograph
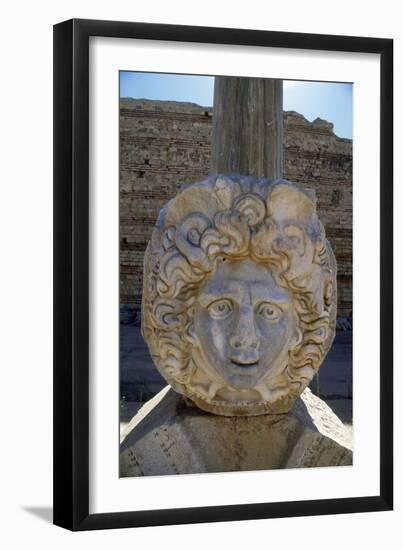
236 274
204 201
222 265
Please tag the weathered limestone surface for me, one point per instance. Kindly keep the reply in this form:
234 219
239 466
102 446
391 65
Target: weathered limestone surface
239 297
167 436
238 311
165 144
247 127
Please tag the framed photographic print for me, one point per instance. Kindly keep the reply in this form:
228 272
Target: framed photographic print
223 274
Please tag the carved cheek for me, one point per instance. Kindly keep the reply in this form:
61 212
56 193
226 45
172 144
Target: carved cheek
210 334
273 336
220 332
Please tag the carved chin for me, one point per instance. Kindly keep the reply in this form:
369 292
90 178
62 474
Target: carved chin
238 382
239 394
242 381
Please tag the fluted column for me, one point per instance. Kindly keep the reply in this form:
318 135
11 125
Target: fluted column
248 127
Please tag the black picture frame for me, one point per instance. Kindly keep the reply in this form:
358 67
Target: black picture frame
71 274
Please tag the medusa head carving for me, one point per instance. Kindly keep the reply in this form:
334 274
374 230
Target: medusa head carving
239 294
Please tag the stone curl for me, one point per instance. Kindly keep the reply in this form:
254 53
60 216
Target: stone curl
272 222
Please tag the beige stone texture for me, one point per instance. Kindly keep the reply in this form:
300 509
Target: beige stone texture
165 144
169 437
239 296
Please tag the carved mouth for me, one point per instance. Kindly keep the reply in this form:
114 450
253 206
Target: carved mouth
249 363
244 367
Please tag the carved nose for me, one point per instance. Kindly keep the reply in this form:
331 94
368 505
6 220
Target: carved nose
243 341
244 336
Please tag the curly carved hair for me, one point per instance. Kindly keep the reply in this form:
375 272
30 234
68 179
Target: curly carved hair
273 222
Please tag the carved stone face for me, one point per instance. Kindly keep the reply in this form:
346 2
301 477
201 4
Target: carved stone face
239 296
245 323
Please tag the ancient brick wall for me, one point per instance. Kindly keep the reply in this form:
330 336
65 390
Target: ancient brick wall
316 158
165 144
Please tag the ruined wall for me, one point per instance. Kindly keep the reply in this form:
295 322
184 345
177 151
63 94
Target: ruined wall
165 144
316 158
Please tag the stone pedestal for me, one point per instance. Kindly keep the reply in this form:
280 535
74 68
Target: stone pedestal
167 436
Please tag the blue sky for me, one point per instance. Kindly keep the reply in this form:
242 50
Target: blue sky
330 101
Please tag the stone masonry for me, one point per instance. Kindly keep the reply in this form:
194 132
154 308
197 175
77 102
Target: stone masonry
164 144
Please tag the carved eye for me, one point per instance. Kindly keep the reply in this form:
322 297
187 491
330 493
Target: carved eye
269 311
220 309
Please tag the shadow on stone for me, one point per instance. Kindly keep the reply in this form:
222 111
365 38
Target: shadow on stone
168 437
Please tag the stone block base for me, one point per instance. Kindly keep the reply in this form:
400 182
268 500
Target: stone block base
167 436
